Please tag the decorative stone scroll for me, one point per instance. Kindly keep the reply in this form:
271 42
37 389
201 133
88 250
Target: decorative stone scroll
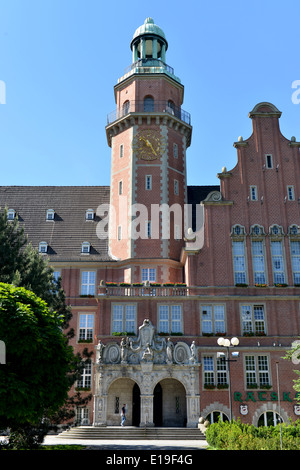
148 348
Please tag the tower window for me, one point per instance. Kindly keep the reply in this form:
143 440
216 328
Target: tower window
119 232
121 151
120 187
175 150
148 103
176 187
269 161
148 182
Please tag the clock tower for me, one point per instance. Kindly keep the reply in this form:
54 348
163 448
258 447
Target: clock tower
148 134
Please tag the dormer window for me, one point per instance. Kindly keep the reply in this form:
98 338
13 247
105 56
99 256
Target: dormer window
85 247
43 247
11 214
89 215
50 214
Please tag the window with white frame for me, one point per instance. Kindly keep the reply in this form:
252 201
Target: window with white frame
88 280
239 262
86 326
11 213
85 247
258 260
89 214
148 182
82 416
43 247
214 371
170 319
253 320
85 380
257 371
290 193
148 274
50 214
213 319
124 318
269 161
253 193
277 262
295 257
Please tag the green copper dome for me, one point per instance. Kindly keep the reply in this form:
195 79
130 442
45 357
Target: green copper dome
149 28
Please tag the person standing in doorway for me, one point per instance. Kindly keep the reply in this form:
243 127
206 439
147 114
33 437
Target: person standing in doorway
123 415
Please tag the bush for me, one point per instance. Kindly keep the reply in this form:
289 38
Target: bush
238 436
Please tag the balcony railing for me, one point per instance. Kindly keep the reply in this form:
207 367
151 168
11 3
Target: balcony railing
148 108
148 65
142 291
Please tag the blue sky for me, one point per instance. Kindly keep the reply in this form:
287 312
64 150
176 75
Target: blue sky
60 60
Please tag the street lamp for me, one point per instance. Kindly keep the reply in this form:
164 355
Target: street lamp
227 343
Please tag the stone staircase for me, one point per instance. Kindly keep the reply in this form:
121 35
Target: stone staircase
132 433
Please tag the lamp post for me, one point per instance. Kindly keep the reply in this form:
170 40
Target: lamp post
227 343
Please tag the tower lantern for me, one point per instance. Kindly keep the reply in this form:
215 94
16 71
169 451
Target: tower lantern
149 42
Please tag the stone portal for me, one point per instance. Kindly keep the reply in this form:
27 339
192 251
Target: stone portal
157 378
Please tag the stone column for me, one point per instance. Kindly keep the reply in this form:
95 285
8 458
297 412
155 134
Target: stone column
193 410
147 411
100 410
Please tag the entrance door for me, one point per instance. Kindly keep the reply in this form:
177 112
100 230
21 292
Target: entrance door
157 406
136 405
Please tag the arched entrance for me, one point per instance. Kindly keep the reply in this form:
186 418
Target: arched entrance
136 405
169 404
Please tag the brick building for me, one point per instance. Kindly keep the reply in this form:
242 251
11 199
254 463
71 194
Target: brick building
158 272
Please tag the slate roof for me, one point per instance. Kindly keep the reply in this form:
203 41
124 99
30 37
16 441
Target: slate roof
70 228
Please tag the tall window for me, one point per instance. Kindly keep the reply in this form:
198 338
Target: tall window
86 326
175 150
258 259
295 254
290 193
253 193
148 103
176 187
148 182
253 320
170 319
86 377
124 318
257 371
213 319
239 262
88 280
215 371
277 262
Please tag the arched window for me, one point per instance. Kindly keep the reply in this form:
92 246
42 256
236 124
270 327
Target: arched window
148 103
269 418
126 107
214 417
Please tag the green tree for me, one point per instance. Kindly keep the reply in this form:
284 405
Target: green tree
22 266
38 357
293 355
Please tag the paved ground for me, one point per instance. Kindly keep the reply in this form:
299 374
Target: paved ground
95 444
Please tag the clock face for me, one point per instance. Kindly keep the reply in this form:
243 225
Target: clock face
148 144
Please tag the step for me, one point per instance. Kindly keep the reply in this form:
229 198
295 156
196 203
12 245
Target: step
132 433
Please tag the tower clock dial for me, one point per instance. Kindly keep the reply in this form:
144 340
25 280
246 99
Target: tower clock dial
148 144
